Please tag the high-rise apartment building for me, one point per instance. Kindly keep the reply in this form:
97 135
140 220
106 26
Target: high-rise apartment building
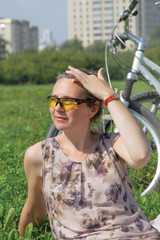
18 34
33 36
47 40
91 20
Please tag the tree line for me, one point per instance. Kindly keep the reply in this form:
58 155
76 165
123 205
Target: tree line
42 67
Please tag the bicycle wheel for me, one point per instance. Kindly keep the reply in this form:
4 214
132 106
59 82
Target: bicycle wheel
150 100
147 177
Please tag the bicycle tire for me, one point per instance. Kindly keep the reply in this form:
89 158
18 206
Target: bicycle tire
147 119
153 125
147 179
52 131
150 100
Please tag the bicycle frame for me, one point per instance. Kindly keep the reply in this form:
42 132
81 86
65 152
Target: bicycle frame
140 63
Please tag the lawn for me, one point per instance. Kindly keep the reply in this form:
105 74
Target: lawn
25 118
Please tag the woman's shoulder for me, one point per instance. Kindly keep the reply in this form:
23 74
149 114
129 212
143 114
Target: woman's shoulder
33 153
33 161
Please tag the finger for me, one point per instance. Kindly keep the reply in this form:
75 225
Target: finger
79 75
73 73
68 72
74 70
100 74
75 80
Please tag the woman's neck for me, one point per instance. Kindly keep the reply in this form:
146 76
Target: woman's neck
79 141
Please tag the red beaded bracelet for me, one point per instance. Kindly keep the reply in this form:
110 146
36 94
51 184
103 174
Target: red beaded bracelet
111 98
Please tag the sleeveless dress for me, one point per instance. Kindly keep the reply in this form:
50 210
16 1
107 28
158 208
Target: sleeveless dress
93 199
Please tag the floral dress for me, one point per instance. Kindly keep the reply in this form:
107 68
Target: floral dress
92 199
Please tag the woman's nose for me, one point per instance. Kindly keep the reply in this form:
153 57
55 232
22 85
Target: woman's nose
59 107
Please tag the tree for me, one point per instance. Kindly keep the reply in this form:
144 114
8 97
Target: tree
154 39
29 50
96 47
3 51
74 44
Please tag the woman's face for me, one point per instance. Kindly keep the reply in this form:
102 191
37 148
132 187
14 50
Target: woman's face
75 118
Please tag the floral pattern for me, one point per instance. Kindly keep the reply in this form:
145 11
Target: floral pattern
113 192
92 199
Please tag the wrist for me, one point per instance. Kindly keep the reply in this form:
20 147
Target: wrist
113 96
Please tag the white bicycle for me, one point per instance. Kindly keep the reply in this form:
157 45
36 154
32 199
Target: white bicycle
150 100
149 176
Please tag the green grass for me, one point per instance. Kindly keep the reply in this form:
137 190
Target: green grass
25 119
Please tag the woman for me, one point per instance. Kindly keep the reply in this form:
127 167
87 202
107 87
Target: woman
80 177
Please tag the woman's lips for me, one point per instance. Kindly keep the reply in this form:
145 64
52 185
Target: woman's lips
59 118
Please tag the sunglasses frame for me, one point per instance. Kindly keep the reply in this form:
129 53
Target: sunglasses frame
77 100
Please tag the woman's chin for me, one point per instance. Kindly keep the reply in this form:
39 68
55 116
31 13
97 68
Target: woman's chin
61 127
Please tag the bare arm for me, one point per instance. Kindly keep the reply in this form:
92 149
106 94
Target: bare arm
34 211
131 145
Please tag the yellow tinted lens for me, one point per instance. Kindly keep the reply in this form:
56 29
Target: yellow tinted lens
69 104
53 103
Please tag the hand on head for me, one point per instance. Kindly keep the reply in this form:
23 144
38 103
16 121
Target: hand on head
94 84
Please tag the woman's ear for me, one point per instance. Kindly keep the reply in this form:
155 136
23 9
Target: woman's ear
94 109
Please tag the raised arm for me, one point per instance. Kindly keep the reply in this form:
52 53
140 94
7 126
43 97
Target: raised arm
34 211
131 145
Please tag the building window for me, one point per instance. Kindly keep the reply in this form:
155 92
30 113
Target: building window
108 21
97 22
96 9
109 28
97 15
108 15
108 8
97 34
108 1
96 2
97 28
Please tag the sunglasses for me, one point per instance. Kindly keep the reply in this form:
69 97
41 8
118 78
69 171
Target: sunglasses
67 103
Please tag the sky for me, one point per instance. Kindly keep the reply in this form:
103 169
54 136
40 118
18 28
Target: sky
45 14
